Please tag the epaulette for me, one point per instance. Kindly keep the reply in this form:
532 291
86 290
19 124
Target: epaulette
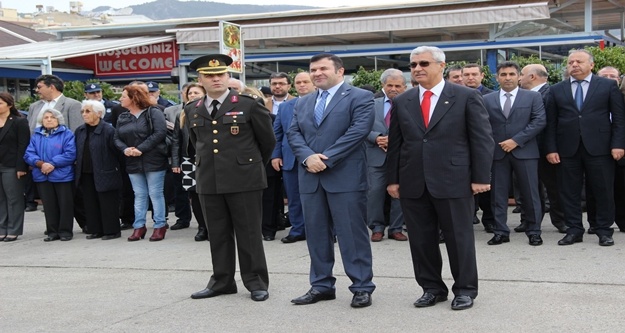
258 99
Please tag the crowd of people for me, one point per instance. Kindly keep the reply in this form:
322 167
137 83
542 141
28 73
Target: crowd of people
345 160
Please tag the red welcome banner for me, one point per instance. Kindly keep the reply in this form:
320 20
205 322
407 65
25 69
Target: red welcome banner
157 58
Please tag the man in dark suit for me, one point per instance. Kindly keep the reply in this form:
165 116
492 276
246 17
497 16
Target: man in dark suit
440 155
585 134
516 116
472 77
283 159
393 84
50 90
327 136
233 139
534 77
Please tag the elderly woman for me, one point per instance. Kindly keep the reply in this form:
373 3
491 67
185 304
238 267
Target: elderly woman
97 172
14 135
140 135
183 156
52 153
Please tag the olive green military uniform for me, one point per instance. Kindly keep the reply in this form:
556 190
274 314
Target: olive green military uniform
232 150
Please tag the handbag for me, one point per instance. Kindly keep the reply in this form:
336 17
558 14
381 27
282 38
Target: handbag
169 136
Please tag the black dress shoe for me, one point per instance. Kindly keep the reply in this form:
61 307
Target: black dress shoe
603 241
66 238
569 239
361 299
476 220
112 236
591 231
125 226
292 239
535 240
14 238
461 302
260 295
208 293
202 235
51 238
30 209
441 237
313 296
179 225
561 228
429 299
488 228
498 239
269 238
516 210
94 236
521 228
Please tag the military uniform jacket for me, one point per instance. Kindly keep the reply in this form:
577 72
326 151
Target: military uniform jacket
232 149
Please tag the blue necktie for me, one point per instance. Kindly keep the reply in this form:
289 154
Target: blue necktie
579 94
320 107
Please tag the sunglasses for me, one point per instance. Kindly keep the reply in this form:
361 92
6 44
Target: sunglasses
422 64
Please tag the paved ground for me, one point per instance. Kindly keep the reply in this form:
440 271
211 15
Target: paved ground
117 286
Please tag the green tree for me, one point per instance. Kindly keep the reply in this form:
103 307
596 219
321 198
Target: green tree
363 76
555 73
610 56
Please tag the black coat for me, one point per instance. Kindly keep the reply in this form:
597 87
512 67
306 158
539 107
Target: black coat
104 157
14 138
146 136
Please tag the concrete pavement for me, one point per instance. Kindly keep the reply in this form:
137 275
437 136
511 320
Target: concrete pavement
117 286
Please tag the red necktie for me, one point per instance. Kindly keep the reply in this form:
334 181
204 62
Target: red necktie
425 107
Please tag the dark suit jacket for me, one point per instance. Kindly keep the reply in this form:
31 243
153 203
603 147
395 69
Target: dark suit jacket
280 127
527 118
375 155
485 90
454 151
345 124
14 138
70 109
600 125
232 149
105 156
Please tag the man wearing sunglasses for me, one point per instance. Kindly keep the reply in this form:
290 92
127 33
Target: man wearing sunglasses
440 154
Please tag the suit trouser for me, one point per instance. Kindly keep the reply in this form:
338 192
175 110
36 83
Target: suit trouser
599 171
100 207
58 207
235 215
619 197
272 199
197 209
526 171
424 216
181 199
548 175
376 197
343 213
11 202
296 215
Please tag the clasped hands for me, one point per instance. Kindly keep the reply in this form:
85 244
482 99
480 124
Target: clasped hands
382 142
315 164
508 145
132 151
46 168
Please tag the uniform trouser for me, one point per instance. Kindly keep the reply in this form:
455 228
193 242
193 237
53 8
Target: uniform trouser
235 221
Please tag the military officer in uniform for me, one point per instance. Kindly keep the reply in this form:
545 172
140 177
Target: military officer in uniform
233 138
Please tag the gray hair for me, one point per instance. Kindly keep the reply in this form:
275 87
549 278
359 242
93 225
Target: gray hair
437 53
241 84
392 73
96 106
55 113
592 59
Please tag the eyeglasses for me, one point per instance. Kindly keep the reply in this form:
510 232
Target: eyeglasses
279 83
422 64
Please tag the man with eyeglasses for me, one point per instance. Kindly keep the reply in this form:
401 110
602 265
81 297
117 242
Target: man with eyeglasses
93 91
50 90
438 159
280 83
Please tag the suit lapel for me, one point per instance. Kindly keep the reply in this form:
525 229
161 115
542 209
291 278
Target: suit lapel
445 101
6 127
568 95
201 109
592 88
341 93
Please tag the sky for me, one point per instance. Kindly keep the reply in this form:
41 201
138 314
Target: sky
28 6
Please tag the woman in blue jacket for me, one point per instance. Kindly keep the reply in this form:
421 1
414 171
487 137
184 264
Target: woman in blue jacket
52 153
